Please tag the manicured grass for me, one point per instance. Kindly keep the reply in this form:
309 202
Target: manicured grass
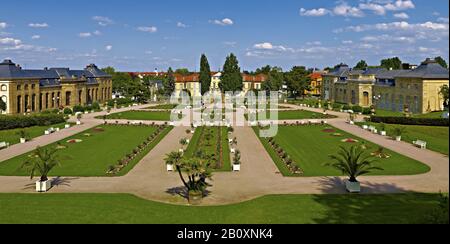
273 209
296 114
93 155
163 106
199 142
141 115
435 136
388 113
310 147
12 137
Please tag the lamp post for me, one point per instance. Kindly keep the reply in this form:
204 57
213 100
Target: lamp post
376 99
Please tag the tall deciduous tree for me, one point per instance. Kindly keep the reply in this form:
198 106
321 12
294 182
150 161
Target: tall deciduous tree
298 80
391 63
2 105
205 74
231 75
274 80
361 65
445 94
169 82
441 61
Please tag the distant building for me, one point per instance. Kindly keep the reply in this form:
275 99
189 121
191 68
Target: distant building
316 84
26 91
414 90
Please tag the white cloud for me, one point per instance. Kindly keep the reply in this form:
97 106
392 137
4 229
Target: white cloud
314 43
265 45
223 22
85 34
400 5
36 37
376 8
10 41
109 47
348 11
388 38
402 25
181 25
148 52
347 42
443 20
150 29
314 12
103 21
38 25
401 16
97 33
3 25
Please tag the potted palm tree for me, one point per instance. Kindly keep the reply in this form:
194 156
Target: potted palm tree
41 161
382 129
353 162
172 159
197 171
237 161
398 132
24 136
79 116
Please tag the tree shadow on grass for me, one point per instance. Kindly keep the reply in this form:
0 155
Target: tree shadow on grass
371 208
182 192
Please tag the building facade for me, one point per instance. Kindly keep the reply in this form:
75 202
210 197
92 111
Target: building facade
27 91
316 84
416 90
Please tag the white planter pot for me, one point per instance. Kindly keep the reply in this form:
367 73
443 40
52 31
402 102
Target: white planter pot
23 140
67 126
383 133
78 122
43 186
365 127
375 131
353 187
351 122
86 112
236 167
169 167
398 138
57 129
46 132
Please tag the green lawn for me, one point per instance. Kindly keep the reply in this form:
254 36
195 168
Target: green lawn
389 113
163 106
94 154
435 136
273 209
12 137
199 142
141 115
310 148
296 114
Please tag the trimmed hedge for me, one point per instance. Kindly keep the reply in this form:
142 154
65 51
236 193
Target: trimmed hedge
409 121
22 121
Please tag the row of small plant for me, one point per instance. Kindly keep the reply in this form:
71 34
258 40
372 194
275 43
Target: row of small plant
285 158
125 161
297 123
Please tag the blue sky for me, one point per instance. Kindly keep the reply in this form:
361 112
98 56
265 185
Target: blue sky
137 35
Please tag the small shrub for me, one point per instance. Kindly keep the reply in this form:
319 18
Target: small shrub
357 109
78 108
67 111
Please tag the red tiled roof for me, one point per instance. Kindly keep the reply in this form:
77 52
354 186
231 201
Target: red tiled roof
186 78
254 78
315 76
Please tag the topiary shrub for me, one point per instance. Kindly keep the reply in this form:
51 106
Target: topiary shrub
357 109
78 108
67 111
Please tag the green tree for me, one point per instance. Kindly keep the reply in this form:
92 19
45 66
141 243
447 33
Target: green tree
169 82
205 74
197 171
275 78
264 70
441 61
445 94
298 80
182 71
231 75
42 161
353 162
361 65
391 63
109 70
2 105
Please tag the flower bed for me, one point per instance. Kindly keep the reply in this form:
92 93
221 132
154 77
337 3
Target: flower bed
285 158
